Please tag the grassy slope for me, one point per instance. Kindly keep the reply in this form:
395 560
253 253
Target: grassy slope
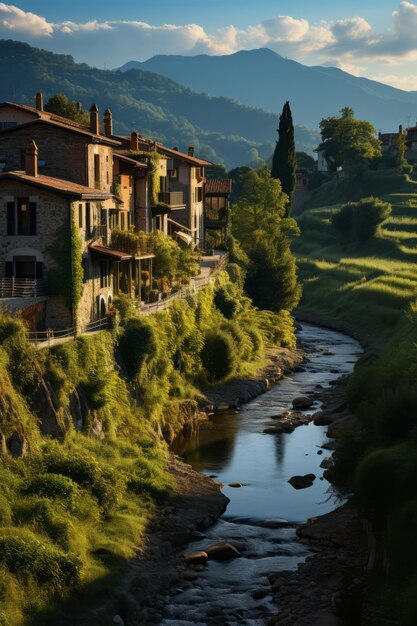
369 284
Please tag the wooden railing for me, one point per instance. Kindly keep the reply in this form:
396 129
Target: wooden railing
136 244
50 337
21 288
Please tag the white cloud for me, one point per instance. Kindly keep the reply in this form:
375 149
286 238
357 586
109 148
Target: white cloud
14 20
408 82
347 43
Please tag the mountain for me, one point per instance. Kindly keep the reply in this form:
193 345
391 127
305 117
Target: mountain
264 79
220 129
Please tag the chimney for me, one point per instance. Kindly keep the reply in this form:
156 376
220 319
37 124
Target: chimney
134 141
39 101
108 123
94 123
191 151
31 159
400 129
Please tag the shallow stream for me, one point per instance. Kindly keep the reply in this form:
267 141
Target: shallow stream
232 448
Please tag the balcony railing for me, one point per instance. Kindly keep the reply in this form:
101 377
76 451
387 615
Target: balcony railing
22 288
172 198
136 244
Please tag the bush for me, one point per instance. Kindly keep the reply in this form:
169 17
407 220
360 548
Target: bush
361 220
27 557
52 486
237 275
136 343
226 303
218 355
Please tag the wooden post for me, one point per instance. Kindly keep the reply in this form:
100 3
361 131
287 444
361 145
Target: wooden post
129 278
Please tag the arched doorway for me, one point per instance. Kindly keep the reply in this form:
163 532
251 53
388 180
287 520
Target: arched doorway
102 308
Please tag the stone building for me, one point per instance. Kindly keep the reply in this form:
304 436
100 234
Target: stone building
56 173
216 210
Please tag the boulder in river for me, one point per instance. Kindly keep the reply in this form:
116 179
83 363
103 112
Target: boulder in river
222 551
302 482
235 485
279 428
321 418
302 402
196 558
327 463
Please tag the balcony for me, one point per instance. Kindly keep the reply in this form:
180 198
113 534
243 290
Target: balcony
138 245
22 288
174 199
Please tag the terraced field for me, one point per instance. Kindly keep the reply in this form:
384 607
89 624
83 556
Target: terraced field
371 284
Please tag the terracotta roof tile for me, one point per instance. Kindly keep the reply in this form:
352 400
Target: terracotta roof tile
218 186
56 184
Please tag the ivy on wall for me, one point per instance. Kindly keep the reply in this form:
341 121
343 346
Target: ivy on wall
66 276
152 159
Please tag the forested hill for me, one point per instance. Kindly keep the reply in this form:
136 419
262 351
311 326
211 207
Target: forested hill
220 129
264 79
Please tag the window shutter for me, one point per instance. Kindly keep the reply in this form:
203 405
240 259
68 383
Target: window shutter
32 217
8 269
39 270
11 222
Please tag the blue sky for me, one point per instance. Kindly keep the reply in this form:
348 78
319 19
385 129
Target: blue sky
372 38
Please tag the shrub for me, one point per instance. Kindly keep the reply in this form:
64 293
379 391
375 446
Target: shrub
218 355
52 486
42 517
226 303
237 274
236 253
136 343
361 220
25 556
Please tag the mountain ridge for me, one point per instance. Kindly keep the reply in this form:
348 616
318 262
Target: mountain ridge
274 79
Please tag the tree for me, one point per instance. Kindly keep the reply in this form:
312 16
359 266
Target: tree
61 105
284 162
272 279
306 162
348 143
217 170
238 175
261 207
402 163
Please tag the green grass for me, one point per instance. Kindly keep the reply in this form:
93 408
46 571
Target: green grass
369 284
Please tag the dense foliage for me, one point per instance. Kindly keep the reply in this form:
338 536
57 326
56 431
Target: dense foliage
361 220
348 143
284 162
260 225
61 105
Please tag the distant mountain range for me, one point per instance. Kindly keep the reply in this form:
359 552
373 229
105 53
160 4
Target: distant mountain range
220 129
264 79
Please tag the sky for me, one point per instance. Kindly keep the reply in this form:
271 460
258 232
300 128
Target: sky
372 38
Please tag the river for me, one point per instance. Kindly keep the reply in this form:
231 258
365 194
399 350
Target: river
232 448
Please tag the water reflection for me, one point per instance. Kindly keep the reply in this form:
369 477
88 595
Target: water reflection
235 448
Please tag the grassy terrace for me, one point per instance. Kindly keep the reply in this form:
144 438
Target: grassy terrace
372 283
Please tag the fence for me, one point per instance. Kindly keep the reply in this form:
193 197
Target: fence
21 288
51 337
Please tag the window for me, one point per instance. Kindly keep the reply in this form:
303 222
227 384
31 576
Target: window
21 217
104 274
4 125
80 215
199 194
2 165
88 219
97 170
122 221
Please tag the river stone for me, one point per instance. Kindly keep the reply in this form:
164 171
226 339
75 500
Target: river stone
327 463
279 428
274 523
302 482
196 558
280 416
235 485
222 551
321 418
302 402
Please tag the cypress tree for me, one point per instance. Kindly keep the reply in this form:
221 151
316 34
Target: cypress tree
284 162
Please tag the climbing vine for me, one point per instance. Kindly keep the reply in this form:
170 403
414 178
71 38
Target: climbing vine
65 278
152 159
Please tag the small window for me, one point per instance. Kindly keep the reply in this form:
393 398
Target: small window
21 217
104 274
122 221
2 165
97 170
4 125
80 215
88 219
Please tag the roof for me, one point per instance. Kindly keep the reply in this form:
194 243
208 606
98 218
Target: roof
58 185
145 144
218 186
114 254
121 154
44 114
81 130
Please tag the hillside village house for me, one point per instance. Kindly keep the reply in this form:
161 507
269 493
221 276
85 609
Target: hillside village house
57 175
216 210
